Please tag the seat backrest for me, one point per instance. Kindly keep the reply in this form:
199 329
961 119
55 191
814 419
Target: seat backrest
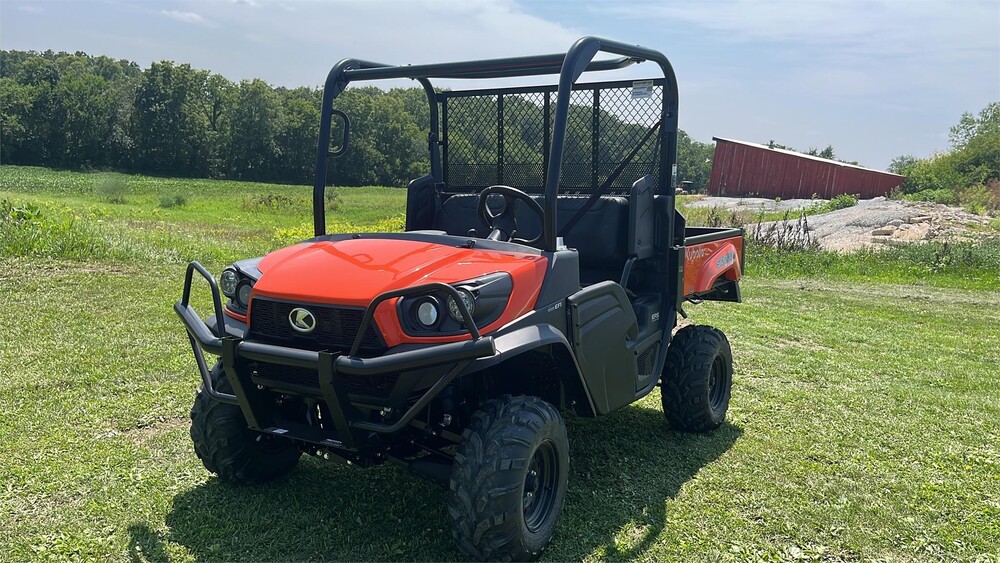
641 219
601 236
421 203
457 215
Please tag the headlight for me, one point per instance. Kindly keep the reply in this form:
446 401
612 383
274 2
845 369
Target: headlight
455 312
439 313
236 282
228 281
243 294
428 313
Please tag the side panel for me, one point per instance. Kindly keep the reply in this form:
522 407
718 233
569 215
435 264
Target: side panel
604 331
708 262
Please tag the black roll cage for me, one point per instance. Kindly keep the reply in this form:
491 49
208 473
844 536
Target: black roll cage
569 66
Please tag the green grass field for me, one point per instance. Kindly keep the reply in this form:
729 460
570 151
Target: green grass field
864 422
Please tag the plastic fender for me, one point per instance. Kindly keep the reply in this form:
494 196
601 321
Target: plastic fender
724 262
528 339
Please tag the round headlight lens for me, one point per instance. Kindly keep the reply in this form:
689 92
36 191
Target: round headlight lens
427 313
453 309
243 295
228 281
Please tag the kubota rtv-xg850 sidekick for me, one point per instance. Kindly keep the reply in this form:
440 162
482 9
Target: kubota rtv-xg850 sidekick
542 270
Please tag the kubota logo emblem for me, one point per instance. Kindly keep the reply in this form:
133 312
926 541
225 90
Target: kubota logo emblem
302 320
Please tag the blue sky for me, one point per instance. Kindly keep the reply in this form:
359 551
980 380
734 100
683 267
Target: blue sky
874 78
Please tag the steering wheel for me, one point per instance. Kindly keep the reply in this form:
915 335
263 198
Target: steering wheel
503 225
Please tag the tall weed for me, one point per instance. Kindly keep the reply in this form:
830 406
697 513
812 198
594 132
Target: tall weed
788 234
972 265
842 201
27 229
293 235
288 204
111 187
176 200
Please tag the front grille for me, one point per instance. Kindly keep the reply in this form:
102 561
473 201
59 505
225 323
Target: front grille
374 385
336 327
287 374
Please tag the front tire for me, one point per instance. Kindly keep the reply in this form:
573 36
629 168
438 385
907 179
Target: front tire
228 448
508 483
697 380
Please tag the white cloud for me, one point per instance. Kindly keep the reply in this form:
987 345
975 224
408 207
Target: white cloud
186 17
30 9
297 42
860 27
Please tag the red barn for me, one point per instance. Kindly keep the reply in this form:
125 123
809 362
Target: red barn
749 169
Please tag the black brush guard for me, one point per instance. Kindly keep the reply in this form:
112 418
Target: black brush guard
349 426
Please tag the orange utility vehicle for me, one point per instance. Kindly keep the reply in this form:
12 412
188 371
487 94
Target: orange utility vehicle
542 269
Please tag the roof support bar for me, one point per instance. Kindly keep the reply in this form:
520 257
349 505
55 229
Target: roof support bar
576 61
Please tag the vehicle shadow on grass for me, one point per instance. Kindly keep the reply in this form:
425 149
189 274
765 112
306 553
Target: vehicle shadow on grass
622 467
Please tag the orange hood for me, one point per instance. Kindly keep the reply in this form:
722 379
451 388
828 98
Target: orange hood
353 272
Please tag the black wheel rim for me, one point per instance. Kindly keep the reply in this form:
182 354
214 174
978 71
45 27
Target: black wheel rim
540 486
717 383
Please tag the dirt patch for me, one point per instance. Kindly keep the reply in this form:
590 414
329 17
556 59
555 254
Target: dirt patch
142 434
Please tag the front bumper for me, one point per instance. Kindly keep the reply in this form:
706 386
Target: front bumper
350 426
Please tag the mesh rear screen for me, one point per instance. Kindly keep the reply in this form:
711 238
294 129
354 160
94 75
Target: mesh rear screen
502 137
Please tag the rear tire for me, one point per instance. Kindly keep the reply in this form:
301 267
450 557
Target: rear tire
508 482
228 448
697 380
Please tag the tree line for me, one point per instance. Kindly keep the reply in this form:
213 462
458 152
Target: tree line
967 174
77 111
92 112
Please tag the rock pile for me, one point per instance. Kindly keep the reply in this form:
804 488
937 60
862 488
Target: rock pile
879 219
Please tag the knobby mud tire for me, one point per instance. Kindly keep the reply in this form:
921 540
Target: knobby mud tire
508 483
228 448
697 379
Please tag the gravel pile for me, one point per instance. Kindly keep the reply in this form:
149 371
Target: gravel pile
871 221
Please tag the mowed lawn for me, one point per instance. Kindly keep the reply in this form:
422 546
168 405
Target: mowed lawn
864 422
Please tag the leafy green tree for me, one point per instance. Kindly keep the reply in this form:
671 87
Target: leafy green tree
39 77
970 127
16 101
255 122
398 139
171 132
694 161
217 103
297 135
969 173
85 114
903 164
826 153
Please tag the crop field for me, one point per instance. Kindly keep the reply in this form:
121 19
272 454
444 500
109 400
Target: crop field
864 422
